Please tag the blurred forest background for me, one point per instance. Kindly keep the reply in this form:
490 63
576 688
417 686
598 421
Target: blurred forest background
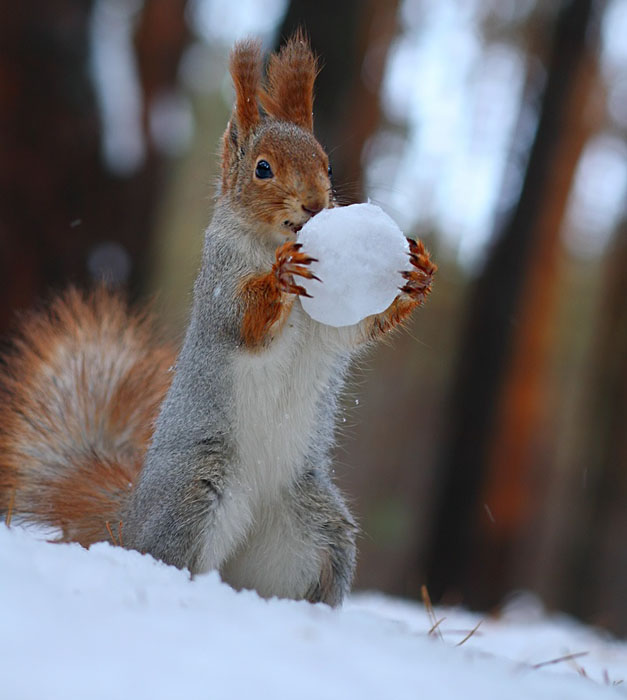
485 449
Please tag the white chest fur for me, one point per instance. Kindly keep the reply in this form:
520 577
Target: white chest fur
276 396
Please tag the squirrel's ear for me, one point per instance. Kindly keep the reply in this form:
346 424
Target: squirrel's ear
245 66
291 76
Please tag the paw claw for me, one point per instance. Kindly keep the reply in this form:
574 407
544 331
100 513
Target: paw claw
289 263
419 278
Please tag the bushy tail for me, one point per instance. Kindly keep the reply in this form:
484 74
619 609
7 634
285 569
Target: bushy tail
79 393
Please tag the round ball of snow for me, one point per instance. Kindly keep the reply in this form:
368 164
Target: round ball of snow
360 252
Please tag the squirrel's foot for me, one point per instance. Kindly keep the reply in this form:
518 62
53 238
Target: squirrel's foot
289 262
420 277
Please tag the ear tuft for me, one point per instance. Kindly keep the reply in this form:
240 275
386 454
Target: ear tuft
245 66
291 76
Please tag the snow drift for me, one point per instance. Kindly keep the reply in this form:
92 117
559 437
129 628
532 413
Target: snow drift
110 623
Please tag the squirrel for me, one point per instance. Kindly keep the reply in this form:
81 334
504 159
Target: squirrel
220 458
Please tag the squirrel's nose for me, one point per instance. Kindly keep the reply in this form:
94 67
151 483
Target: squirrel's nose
313 208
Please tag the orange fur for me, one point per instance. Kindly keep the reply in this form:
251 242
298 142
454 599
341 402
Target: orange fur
391 318
301 179
300 182
245 66
264 306
268 298
80 393
290 80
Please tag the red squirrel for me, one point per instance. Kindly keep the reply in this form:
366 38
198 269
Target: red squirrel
220 457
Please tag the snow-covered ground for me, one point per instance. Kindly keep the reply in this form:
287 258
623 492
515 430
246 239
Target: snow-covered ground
109 623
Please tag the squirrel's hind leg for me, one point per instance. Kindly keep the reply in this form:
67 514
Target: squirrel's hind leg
303 546
321 511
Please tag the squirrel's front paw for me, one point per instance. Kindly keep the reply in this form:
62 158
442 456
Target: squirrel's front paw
420 277
289 262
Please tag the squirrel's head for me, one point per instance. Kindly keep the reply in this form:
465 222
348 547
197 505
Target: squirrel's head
274 172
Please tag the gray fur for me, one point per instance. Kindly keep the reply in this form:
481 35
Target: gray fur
202 502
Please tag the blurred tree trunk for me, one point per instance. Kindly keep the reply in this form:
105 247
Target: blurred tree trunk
61 210
598 574
494 400
352 39
514 482
49 130
160 38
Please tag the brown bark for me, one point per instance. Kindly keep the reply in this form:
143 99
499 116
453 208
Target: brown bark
488 342
511 490
597 576
49 131
160 39
58 201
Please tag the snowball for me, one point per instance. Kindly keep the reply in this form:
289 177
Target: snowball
360 252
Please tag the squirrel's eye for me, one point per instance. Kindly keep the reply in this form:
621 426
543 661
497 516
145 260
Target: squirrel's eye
263 170
330 171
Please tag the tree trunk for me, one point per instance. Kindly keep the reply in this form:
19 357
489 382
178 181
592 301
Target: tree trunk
514 482
500 301
597 577
61 211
